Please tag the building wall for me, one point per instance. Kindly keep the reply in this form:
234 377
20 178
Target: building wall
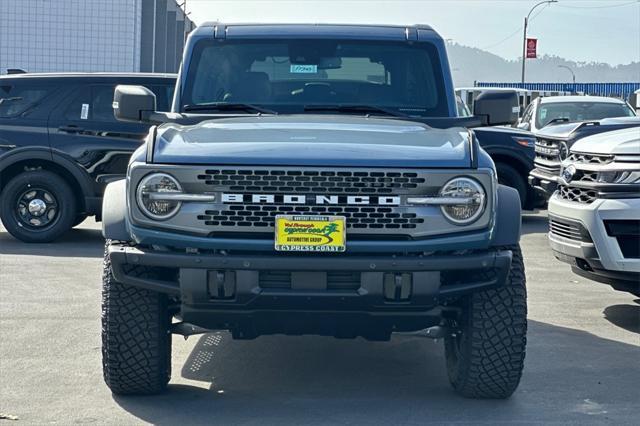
90 35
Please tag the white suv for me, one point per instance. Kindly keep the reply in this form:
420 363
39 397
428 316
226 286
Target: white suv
563 109
594 216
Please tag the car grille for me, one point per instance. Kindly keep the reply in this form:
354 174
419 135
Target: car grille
336 280
567 229
548 149
312 181
586 176
590 158
579 195
374 217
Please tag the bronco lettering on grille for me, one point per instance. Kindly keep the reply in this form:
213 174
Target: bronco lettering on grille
356 200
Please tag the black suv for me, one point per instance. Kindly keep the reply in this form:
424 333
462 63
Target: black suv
60 145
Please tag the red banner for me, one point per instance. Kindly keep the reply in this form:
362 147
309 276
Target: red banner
532 45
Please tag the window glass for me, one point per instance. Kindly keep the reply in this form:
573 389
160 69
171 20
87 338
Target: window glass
287 75
575 111
79 106
102 103
164 96
16 99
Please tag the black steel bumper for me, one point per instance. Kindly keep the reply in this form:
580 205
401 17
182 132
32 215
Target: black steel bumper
341 295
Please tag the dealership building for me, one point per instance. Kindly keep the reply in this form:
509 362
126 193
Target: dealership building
92 35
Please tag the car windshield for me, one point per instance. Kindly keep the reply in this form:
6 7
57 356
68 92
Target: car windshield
579 111
288 76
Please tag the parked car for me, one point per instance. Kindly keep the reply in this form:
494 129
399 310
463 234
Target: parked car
554 142
594 216
345 214
60 145
564 109
512 150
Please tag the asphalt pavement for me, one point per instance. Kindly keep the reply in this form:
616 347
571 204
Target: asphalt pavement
582 364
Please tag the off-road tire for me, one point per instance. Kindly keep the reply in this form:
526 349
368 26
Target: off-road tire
136 343
509 176
52 183
485 360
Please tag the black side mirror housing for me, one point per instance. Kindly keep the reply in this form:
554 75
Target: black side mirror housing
133 103
499 107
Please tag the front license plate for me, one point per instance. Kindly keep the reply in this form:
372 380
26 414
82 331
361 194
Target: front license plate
310 233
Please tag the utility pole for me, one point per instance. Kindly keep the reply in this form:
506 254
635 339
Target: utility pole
524 38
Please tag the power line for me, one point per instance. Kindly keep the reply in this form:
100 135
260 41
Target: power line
515 32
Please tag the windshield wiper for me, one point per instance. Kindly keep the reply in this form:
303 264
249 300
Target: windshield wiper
558 120
226 106
15 98
368 109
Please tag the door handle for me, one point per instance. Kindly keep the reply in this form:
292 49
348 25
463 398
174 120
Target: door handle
70 129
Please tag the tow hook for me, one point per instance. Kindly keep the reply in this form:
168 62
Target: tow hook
436 332
185 329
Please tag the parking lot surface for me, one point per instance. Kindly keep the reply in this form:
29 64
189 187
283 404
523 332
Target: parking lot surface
582 365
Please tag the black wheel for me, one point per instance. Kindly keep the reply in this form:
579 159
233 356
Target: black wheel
509 176
79 219
37 206
485 360
136 343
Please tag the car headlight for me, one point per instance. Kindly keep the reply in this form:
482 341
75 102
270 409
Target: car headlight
150 196
466 200
626 176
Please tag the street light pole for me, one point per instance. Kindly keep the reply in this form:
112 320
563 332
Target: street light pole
571 71
524 38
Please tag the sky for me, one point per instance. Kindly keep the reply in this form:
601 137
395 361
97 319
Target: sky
580 30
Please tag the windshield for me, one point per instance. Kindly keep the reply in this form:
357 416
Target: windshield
289 75
573 111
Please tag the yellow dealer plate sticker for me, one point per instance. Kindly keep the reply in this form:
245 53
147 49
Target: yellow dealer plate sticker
310 233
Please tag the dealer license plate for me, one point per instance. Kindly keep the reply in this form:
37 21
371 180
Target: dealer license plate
310 233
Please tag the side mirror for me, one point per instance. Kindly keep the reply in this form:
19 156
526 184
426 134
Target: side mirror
133 103
499 107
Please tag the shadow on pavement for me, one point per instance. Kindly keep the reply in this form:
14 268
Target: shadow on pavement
624 316
75 243
534 224
570 376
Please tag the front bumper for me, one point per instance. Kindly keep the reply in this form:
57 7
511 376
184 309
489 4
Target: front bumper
341 295
543 182
593 252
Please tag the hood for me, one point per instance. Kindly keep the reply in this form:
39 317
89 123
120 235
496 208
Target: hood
618 142
313 140
564 131
559 131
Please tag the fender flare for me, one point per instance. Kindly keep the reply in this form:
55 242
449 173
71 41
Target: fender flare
114 211
508 217
42 153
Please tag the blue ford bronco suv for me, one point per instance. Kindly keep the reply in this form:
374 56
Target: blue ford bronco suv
313 179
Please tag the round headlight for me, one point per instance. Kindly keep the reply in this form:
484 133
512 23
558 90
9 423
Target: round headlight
472 200
149 196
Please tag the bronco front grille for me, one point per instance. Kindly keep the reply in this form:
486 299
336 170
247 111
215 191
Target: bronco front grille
312 181
373 217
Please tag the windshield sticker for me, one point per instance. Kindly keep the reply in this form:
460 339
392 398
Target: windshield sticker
304 69
84 113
